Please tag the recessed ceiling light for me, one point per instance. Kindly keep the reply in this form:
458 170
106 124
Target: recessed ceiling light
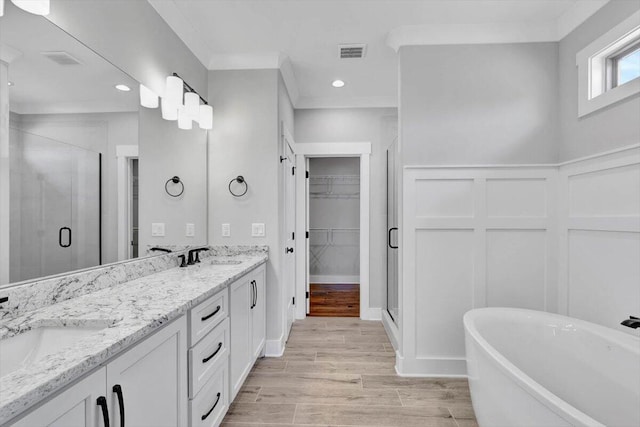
123 88
337 83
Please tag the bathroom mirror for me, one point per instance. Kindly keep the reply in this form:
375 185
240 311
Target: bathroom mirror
87 164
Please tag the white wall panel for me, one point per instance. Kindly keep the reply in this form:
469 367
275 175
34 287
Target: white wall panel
516 198
604 276
608 192
444 198
516 268
445 269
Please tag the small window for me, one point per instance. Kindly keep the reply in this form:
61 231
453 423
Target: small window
624 66
609 67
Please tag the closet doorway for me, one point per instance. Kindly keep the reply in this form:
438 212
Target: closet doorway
334 236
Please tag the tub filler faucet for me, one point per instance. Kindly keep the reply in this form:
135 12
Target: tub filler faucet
631 322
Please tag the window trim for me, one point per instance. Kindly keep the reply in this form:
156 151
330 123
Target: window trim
595 90
613 60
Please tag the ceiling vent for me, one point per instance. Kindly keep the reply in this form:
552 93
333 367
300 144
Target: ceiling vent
61 58
356 51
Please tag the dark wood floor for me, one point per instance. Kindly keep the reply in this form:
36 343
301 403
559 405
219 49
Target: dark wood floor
334 300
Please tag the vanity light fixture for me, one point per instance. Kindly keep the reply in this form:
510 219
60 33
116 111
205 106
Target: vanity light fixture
37 7
182 102
337 83
123 88
206 117
148 98
169 111
192 105
1 7
184 120
174 91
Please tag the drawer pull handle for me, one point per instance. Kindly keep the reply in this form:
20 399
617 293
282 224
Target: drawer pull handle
204 417
206 359
117 389
102 403
209 316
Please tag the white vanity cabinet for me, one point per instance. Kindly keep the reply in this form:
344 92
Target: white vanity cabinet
152 380
248 322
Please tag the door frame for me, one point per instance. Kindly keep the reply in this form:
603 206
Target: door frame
303 152
124 155
287 140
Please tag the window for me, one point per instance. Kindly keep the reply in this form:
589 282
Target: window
609 68
624 66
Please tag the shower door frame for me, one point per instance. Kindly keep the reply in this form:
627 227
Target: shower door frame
305 151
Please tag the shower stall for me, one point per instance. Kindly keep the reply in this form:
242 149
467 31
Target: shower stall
55 205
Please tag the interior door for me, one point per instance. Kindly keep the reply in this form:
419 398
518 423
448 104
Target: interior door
392 231
307 275
289 228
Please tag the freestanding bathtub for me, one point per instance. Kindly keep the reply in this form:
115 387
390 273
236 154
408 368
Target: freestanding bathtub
531 368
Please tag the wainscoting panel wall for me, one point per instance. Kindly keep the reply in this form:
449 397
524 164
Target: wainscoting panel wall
472 237
599 238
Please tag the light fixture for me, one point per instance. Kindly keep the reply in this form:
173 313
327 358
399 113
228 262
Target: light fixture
206 117
148 98
123 88
1 7
192 105
184 120
169 111
337 83
9 83
174 91
37 7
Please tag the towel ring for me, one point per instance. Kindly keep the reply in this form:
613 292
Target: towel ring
175 180
240 180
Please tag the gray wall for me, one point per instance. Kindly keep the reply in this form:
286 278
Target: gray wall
479 104
244 141
166 151
131 35
606 129
378 126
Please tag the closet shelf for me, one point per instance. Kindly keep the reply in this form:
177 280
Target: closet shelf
334 186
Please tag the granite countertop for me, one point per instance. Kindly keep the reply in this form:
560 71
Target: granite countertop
128 312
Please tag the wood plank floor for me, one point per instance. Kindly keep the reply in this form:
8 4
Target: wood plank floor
340 372
334 300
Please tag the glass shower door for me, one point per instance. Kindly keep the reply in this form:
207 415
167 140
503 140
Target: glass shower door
392 232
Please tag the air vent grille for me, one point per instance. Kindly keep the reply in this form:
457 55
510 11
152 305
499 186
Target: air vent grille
61 58
352 51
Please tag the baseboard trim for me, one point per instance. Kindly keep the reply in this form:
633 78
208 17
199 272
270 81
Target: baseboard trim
427 368
370 313
392 330
274 348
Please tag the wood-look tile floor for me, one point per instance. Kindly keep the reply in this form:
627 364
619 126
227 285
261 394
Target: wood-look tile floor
340 372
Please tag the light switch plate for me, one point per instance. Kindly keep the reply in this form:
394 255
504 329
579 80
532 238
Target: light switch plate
190 230
257 230
226 230
157 229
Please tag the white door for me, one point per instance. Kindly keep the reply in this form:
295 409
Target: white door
289 227
307 273
149 382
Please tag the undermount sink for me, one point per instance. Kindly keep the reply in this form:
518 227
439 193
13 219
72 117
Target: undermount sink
22 350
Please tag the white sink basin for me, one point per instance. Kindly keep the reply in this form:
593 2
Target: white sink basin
22 350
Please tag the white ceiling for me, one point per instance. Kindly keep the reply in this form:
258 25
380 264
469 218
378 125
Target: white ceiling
301 37
42 86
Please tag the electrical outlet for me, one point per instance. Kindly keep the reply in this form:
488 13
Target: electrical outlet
226 230
157 229
190 230
257 230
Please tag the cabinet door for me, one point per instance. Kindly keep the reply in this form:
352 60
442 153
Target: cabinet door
240 298
153 380
258 314
75 407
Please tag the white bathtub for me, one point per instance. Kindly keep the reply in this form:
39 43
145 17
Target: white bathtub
530 368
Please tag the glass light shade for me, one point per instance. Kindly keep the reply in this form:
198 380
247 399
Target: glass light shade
206 117
184 121
1 7
148 98
174 91
37 7
169 110
192 105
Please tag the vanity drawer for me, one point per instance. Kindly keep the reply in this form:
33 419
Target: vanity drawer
206 315
212 401
205 356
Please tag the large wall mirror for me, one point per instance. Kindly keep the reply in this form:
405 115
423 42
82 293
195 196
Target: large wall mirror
87 165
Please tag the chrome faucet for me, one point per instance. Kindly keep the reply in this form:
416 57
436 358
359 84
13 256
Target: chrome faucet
631 322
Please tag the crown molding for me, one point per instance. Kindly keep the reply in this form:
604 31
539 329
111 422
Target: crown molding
576 15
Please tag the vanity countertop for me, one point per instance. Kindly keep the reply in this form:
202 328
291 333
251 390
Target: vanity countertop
131 311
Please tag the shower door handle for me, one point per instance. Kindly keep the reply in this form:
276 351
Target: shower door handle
389 238
60 237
